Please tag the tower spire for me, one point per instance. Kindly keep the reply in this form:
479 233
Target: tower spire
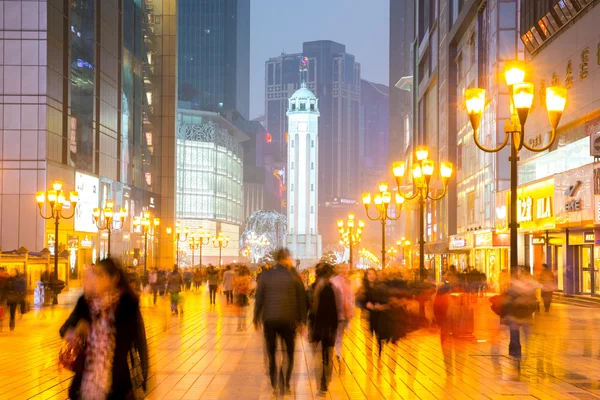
303 71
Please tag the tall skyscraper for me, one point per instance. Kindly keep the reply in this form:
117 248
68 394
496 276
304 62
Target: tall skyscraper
88 99
334 76
214 54
374 130
400 105
303 237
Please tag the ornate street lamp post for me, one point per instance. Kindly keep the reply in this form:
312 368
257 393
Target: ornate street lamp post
106 218
521 95
422 171
382 201
350 236
220 241
197 241
149 227
178 237
56 200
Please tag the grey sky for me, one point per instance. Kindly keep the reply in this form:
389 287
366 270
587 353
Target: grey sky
277 25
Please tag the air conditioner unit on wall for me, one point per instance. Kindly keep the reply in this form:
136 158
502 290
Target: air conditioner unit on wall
595 144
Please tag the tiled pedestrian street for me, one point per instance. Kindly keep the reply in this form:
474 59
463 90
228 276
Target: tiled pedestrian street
202 355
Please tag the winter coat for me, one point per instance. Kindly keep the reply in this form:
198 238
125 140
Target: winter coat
130 334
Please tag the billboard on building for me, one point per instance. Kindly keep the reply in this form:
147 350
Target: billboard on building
87 186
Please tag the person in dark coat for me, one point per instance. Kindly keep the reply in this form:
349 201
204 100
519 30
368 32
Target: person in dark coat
108 317
281 306
16 287
548 285
323 316
376 302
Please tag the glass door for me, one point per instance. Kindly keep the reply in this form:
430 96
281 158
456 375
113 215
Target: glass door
596 272
587 268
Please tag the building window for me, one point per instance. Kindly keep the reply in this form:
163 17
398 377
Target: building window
292 189
292 165
312 107
293 106
291 212
312 143
312 209
312 165
292 144
312 187
302 106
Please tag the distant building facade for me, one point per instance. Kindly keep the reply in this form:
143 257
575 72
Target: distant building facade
214 54
374 133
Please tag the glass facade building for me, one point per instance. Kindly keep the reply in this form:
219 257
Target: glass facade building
88 96
210 174
214 54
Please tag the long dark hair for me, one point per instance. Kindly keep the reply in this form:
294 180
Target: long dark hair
113 269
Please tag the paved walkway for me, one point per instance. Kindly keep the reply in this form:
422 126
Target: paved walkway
202 355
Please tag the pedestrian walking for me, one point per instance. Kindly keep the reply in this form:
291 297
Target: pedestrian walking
243 285
187 278
213 283
281 306
16 287
521 304
153 282
175 285
323 317
197 279
228 283
107 317
375 300
345 303
548 285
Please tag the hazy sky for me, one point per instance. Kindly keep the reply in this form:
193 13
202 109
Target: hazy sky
278 25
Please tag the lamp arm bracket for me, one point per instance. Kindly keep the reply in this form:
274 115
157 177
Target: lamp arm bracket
407 197
373 219
544 148
488 150
69 217
435 198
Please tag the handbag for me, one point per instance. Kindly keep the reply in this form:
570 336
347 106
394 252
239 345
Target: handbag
72 355
499 304
136 374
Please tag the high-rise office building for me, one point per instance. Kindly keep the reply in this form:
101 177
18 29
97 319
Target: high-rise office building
400 105
374 131
86 100
334 77
214 54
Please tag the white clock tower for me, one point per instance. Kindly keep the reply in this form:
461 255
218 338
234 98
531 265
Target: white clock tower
303 237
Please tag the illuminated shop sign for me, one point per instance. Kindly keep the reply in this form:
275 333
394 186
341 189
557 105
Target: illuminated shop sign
87 187
573 204
589 237
535 206
460 242
536 241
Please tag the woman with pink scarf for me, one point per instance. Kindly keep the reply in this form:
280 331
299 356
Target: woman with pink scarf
107 317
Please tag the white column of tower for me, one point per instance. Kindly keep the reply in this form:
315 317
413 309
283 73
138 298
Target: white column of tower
302 197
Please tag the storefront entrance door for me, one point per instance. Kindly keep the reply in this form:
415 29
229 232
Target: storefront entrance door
589 257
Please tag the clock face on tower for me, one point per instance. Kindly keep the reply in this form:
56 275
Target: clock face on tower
302 126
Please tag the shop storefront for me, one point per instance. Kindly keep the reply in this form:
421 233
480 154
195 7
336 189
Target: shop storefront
574 249
490 255
460 248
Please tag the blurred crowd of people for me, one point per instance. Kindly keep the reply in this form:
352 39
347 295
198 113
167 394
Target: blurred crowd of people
319 302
